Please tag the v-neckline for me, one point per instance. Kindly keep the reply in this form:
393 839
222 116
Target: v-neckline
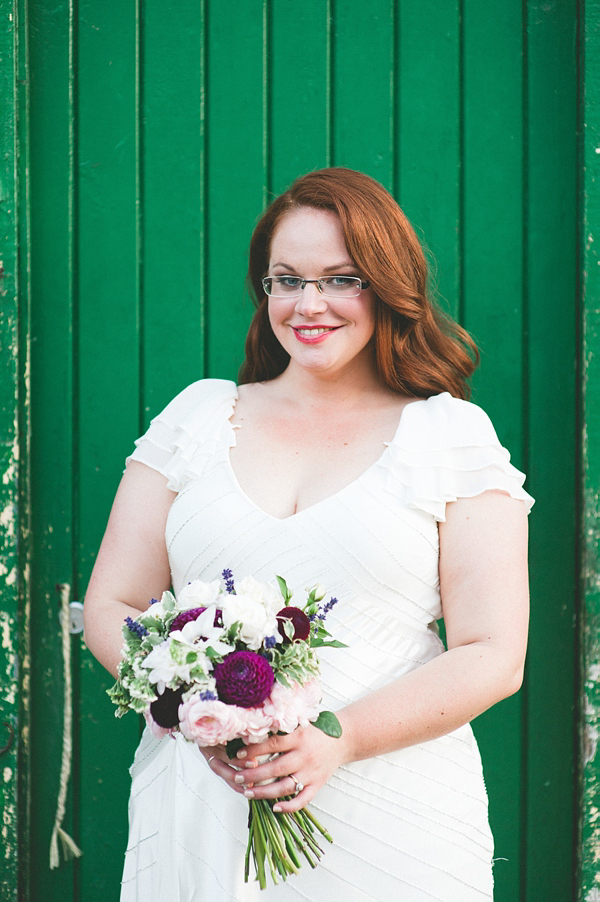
232 430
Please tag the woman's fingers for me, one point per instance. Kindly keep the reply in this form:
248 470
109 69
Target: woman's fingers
219 763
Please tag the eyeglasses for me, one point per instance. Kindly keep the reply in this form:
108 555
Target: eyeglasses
330 286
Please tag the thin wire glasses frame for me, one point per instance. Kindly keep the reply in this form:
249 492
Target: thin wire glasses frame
329 286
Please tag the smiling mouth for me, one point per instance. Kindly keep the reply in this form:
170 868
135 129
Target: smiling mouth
313 331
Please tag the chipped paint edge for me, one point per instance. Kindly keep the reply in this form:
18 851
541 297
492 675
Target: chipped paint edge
14 453
589 788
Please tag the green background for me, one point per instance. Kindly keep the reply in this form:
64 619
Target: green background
151 137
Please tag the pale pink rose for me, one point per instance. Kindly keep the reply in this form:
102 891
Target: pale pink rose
294 706
257 724
158 732
210 722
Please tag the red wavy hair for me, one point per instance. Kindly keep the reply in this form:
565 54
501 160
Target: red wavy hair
419 351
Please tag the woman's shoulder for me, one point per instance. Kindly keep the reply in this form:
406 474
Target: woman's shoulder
197 397
182 437
447 448
443 421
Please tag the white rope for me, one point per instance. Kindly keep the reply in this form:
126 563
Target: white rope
69 847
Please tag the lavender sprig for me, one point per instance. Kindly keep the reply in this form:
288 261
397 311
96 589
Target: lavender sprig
136 628
229 584
323 610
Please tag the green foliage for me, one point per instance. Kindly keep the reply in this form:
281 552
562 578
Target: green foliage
329 724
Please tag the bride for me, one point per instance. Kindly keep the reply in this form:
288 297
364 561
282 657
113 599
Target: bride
347 456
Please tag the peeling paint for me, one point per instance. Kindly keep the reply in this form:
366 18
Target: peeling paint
7 774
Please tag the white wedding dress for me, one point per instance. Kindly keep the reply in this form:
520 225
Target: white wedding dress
409 825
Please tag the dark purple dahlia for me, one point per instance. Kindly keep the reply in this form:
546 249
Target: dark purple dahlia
244 678
193 614
300 622
165 709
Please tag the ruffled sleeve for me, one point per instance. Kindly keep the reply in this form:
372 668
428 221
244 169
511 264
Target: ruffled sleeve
182 439
447 449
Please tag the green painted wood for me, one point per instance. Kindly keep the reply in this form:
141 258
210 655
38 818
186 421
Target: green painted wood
51 415
171 147
299 89
550 288
589 803
236 180
427 165
14 455
491 305
107 372
363 49
153 151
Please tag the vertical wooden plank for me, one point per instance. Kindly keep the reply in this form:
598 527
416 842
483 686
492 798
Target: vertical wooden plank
492 310
107 380
428 160
300 90
171 149
51 52
236 186
14 413
588 883
551 285
362 88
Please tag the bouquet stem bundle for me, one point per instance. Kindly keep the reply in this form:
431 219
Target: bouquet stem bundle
277 838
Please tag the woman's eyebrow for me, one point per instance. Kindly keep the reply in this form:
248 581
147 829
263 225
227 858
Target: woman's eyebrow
347 264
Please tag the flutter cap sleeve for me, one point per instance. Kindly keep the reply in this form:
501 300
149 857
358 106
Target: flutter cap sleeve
446 449
186 434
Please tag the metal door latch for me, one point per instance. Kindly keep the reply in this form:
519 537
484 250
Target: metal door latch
75 617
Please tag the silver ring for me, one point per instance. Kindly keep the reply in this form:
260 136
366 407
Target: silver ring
210 759
299 785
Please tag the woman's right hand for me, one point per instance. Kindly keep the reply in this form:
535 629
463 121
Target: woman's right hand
222 766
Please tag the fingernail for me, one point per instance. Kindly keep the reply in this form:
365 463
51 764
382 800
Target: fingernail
242 754
239 778
248 764
249 794
276 807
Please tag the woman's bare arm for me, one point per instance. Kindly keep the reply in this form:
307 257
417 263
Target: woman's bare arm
132 565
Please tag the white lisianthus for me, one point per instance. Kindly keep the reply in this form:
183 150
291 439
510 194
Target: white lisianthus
166 664
255 606
198 594
200 634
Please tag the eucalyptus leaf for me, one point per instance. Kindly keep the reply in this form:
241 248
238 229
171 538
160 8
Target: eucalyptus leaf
322 643
329 724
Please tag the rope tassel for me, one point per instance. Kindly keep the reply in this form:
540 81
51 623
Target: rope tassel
69 847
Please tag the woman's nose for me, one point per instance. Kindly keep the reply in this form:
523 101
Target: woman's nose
311 300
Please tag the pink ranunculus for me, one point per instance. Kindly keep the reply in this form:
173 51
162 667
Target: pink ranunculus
257 725
155 729
294 706
210 722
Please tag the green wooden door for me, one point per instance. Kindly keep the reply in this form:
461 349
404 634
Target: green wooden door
158 132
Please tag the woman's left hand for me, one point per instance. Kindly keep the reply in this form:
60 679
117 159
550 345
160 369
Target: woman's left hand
307 758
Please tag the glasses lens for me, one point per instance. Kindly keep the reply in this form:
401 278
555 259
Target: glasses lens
282 286
341 286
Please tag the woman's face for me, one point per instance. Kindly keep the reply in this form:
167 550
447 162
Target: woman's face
321 334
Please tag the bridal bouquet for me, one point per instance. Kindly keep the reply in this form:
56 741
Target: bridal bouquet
229 664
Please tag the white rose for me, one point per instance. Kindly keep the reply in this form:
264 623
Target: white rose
262 593
198 594
257 619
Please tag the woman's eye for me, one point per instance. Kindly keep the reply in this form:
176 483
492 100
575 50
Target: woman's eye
288 281
340 281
